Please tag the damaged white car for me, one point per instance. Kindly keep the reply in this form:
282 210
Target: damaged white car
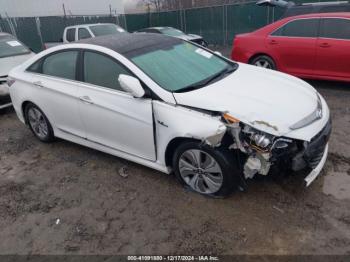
174 106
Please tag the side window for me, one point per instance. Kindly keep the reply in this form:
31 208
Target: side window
70 35
35 68
61 64
335 28
83 33
103 71
299 28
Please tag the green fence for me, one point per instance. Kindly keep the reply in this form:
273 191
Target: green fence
218 25
35 31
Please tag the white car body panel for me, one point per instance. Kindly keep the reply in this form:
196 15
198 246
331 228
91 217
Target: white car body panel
114 119
52 93
180 122
253 95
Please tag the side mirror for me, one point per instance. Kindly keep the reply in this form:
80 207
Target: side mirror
131 85
218 53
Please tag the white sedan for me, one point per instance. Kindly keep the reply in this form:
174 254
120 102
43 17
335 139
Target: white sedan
174 106
12 54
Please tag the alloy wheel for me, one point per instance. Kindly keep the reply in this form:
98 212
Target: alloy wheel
263 63
38 123
200 171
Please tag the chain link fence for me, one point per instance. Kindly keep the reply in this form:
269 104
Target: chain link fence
217 24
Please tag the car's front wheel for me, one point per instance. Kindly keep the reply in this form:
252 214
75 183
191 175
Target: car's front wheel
264 61
38 123
204 169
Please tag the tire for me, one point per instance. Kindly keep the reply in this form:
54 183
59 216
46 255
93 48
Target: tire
38 123
264 61
222 178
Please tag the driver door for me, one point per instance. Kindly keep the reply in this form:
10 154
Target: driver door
112 117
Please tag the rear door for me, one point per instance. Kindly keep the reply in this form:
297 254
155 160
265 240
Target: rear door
56 89
333 48
293 46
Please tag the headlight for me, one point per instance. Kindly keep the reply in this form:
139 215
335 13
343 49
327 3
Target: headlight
261 140
258 138
314 116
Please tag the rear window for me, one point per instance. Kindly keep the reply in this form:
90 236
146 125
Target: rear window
10 46
336 28
61 64
299 28
83 33
309 9
99 30
71 35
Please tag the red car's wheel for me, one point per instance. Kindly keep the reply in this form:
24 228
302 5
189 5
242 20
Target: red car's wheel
264 61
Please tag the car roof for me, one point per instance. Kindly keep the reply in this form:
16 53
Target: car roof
74 26
130 45
4 34
158 27
338 14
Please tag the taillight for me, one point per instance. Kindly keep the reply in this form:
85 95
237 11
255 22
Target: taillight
10 81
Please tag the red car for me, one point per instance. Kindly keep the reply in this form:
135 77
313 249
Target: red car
314 46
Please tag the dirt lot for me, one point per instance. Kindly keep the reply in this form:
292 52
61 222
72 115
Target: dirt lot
62 198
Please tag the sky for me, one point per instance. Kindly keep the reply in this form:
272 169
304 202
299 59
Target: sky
131 6
22 8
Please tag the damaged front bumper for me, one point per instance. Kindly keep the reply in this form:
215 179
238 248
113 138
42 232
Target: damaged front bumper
283 155
317 170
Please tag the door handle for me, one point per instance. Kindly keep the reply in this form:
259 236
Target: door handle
273 42
86 99
325 45
38 84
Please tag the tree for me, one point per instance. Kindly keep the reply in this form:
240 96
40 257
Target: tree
155 4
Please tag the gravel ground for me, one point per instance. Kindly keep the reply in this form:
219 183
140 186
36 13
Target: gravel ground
62 198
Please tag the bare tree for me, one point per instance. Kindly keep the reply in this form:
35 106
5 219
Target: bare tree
155 4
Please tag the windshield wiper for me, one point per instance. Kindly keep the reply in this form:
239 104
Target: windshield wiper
209 80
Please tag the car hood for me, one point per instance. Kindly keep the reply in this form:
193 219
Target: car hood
7 63
267 100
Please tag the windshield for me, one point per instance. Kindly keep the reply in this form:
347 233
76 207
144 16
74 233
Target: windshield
100 30
171 31
182 67
10 46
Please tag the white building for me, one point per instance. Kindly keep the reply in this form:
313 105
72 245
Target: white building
31 8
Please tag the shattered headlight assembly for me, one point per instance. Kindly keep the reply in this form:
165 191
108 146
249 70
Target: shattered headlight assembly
258 140
261 140
248 138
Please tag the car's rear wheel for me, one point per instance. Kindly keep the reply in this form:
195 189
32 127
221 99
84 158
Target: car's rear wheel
264 61
38 123
206 170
